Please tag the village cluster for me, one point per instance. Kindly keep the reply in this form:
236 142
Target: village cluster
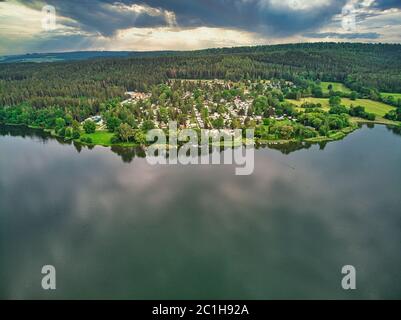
208 104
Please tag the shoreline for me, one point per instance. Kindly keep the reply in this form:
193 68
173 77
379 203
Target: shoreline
336 136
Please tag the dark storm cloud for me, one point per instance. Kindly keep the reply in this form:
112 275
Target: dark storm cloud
263 16
349 36
103 16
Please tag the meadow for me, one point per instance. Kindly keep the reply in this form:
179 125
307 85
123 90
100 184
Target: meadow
388 94
378 108
337 86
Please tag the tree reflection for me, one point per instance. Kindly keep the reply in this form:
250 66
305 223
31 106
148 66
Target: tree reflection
128 154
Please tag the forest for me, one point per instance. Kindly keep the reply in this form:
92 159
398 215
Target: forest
82 88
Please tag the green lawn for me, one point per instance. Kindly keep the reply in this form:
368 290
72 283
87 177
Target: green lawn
378 108
99 137
337 86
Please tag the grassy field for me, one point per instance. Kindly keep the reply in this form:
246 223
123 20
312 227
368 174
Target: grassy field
378 108
395 95
100 137
324 102
337 86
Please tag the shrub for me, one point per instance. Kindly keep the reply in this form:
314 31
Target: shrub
339 109
358 111
68 132
311 105
371 116
392 115
87 140
61 132
334 100
115 139
308 133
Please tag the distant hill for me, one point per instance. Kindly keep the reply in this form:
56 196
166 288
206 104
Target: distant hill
326 48
78 55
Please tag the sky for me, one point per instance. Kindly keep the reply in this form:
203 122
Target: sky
28 26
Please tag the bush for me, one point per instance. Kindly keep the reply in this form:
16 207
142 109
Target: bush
148 125
87 140
358 111
353 95
115 139
311 105
392 115
371 116
68 132
61 132
339 109
334 100
324 131
60 123
284 132
308 133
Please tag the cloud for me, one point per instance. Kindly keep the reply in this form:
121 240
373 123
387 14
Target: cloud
367 35
106 17
387 4
268 17
271 17
184 39
189 24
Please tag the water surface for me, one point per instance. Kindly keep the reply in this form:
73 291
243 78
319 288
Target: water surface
116 227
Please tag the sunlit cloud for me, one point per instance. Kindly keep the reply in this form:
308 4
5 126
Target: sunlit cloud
294 4
184 39
139 25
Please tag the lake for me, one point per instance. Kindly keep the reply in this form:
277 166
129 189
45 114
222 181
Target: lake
115 227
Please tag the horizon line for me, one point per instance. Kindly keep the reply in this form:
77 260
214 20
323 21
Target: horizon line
210 48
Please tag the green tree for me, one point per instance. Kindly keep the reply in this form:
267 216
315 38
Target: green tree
89 126
113 123
260 105
75 125
334 101
140 137
68 119
60 123
317 92
148 125
338 109
286 132
125 132
75 129
68 132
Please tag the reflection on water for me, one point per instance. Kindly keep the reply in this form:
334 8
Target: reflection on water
129 154
125 229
